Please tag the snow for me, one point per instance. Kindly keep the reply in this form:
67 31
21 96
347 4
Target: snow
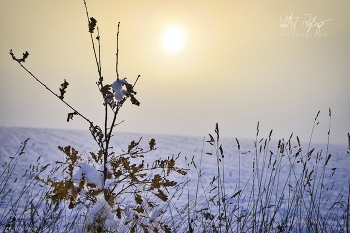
155 216
44 143
110 182
90 173
117 86
101 211
130 214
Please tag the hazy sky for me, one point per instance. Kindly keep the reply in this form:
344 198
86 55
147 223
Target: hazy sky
237 66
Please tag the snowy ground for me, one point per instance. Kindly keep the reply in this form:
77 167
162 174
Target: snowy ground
44 143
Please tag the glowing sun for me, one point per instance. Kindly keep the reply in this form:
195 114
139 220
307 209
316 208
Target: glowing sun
173 39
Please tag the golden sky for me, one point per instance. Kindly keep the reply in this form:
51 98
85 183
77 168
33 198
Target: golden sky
238 64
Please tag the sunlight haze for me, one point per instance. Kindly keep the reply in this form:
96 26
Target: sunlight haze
173 39
201 62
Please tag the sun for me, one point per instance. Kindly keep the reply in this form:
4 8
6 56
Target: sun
173 39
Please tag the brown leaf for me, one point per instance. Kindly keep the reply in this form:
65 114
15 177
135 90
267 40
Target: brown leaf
70 116
132 145
167 229
156 181
139 209
138 199
71 205
119 213
171 164
161 195
92 24
130 89
134 100
63 88
25 55
152 143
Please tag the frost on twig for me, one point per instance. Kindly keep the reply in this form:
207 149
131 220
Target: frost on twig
25 55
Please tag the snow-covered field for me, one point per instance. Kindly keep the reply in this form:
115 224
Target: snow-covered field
44 143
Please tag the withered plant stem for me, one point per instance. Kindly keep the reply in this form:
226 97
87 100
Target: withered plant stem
117 52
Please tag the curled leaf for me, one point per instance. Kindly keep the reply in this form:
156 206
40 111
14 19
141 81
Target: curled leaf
132 145
130 89
221 151
70 116
161 195
92 24
108 95
152 143
134 100
25 55
97 134
63 88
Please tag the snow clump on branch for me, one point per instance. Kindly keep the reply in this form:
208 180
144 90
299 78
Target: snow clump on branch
117 86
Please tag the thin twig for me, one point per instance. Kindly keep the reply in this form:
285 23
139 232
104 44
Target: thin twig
99 51
93 47
347 209
78 113
117 53
138 76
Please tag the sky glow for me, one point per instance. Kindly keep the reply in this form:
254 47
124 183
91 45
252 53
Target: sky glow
239 62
